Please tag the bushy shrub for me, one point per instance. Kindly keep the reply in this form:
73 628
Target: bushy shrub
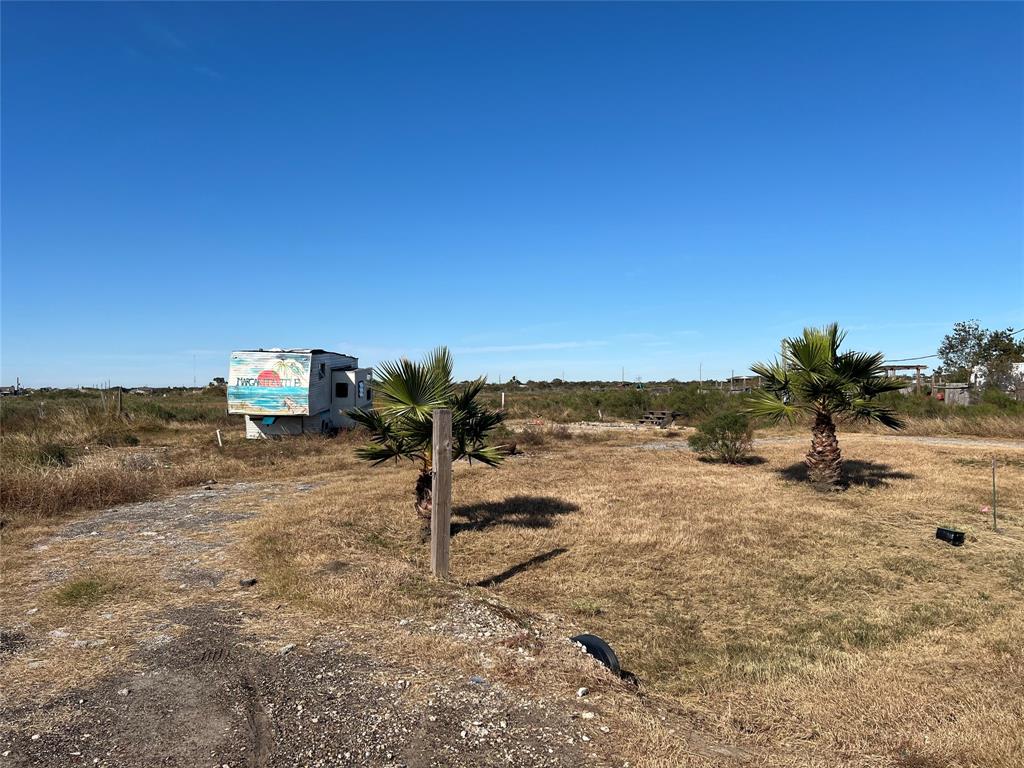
54 455
726 436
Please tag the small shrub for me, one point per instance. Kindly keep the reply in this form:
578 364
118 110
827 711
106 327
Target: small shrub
111 438
84 592
725 436
138 462
532 437
53 455
561 432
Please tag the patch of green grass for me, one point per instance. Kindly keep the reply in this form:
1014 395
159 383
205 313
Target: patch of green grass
85 592
586 607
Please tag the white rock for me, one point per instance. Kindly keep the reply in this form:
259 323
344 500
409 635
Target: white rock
35 737
587 715
31 611
123 692
581 692
287 649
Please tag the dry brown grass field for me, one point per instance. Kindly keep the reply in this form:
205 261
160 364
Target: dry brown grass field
805 629
815 629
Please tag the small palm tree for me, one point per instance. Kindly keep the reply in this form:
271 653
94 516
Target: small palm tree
401 420
816 379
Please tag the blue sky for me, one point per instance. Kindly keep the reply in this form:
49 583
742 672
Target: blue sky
548 189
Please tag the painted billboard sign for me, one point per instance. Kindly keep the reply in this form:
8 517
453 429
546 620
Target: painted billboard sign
269 383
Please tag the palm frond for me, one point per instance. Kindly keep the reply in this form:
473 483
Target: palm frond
767 405
868 410
873 386
774 375
405 387
857 366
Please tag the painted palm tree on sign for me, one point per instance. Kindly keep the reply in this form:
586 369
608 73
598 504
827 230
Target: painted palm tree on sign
815 379
401 423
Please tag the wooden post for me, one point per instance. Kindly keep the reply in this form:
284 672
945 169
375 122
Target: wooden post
995 526
441 511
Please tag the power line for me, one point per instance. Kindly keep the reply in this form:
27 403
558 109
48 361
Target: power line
926 357
908 359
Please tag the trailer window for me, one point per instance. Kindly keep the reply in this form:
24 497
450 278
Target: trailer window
361 389
323 370
340 389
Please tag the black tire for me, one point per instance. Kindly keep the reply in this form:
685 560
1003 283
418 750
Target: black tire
600 650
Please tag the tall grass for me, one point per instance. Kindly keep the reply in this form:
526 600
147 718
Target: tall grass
69 450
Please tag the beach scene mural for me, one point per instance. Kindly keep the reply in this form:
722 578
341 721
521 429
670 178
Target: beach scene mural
269 383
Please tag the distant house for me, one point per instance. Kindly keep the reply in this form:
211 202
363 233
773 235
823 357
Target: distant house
295 391
9 391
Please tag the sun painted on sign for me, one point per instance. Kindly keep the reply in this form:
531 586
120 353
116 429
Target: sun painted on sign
270 383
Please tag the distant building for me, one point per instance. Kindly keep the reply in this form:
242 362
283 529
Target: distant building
295 391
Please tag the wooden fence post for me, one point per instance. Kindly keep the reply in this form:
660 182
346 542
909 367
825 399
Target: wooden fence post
441 511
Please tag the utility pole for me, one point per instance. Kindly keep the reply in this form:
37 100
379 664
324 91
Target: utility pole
700 376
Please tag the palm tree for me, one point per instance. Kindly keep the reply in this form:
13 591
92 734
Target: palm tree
401 420
814 378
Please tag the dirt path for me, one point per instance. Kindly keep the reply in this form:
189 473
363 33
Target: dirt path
195 669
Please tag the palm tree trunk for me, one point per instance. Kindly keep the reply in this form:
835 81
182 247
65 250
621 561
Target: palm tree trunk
824 461
424 502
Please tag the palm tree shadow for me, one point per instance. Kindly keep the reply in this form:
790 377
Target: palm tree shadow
869 474
746 461
515 511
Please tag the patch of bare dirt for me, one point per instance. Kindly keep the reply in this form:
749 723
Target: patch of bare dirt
194 677
215 697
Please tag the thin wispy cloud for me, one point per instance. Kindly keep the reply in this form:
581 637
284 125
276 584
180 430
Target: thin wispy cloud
163 35
178 49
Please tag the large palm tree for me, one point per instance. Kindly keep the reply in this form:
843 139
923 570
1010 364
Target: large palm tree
815 379
401 420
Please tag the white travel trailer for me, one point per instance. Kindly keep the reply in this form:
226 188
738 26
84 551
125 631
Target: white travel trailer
292 391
